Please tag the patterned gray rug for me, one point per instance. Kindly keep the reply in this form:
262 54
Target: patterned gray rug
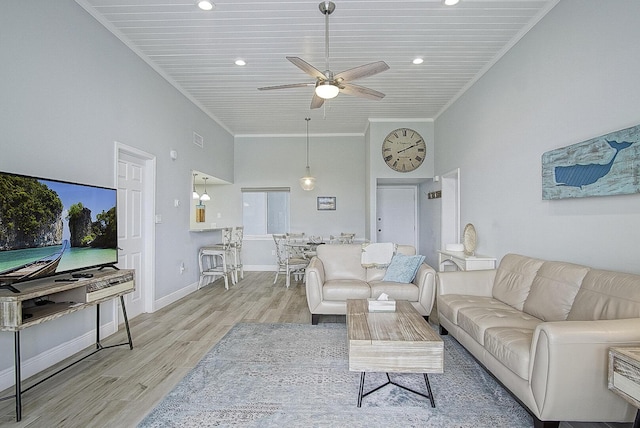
296 375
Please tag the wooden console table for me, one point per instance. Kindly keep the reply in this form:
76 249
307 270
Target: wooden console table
46 299
464 262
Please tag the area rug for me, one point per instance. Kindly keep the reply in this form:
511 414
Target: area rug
297 375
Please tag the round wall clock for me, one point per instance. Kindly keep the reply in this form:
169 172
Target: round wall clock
404 150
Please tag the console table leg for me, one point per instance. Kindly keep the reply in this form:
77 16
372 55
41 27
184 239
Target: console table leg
16 346
126 322
98 345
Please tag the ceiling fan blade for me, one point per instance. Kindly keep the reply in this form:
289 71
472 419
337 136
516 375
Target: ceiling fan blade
307 68
316 101
360 91
293 85
362 71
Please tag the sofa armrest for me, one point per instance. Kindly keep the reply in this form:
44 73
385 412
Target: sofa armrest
314 280
569 368
425 279
473 283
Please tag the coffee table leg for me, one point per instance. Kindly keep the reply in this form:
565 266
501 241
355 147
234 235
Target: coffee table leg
361 389
426 380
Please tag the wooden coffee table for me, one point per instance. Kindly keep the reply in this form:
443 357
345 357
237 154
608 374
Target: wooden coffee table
398 342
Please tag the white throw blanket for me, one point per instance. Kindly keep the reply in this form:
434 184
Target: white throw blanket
377 255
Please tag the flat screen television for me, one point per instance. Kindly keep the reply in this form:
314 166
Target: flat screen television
50 227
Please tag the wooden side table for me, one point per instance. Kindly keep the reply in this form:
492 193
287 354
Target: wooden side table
624 376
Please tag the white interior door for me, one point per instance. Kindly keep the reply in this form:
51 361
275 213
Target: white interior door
133 184
396 215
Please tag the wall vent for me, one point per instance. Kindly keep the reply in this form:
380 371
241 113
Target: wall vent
198 140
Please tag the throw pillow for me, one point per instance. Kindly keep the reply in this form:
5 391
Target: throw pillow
403 268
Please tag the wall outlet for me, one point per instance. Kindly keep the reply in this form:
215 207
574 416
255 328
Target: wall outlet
182 268
273 252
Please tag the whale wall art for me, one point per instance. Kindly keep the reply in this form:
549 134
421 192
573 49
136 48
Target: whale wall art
601 166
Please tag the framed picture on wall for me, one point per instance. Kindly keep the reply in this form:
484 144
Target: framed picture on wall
326 203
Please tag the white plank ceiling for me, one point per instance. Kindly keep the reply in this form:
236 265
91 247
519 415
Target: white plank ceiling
196 51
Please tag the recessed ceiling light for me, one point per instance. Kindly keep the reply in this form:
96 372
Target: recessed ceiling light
418 61
241 62
451 2
205 4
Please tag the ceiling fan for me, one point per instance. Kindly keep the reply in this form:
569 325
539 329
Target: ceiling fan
327 84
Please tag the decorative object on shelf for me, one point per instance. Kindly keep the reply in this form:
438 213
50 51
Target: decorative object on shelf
205 196
404 150
454 247
469 240
601 166
326 203
195 195
200 213
308 182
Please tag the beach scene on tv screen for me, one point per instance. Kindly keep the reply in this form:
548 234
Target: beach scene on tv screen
47 227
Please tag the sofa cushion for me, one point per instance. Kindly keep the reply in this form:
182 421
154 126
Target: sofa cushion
341 261
395 290
606 295
476 321
403 268
343 289
514 278
449 305
554 289
511 346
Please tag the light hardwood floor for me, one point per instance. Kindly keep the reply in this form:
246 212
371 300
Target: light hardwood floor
117 387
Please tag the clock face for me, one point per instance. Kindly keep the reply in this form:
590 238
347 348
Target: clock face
404 150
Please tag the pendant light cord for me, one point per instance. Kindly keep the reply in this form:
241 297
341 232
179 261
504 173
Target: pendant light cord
307 119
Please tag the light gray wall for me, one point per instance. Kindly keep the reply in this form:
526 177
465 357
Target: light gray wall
574 76
379 172
337 163
70 89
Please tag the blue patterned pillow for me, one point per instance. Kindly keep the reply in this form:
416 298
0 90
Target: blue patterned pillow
403 268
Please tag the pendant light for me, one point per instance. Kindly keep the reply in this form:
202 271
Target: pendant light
205 196
307 182
195 195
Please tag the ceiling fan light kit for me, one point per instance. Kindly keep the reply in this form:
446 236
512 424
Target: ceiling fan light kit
326 90
328 85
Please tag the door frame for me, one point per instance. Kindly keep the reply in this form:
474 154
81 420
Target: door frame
450 215
149 202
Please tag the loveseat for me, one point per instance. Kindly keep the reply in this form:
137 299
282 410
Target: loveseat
336 274
544 329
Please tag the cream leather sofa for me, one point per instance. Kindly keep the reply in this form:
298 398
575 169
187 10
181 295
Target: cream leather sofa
336 274
544 329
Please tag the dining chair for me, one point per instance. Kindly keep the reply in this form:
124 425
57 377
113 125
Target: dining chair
236 249
288 263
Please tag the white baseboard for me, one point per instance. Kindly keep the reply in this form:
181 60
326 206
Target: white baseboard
174 297
54 355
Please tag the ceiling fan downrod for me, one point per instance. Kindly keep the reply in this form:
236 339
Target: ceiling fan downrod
327 8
